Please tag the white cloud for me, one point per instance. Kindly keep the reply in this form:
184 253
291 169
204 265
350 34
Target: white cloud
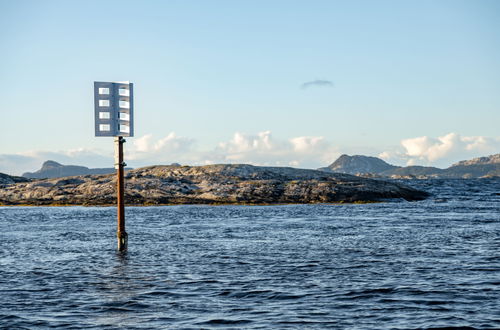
432 149
307 143
264 149
170 143
258 149
443 150
143 143
385 155
145 150
242 143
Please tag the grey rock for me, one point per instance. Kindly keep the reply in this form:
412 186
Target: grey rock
211 184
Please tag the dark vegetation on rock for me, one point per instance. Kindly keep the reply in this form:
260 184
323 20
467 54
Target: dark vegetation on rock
211 184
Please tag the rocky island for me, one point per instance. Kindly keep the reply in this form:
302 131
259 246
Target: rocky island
210 184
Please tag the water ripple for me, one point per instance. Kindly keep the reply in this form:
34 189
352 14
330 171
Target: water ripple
428 264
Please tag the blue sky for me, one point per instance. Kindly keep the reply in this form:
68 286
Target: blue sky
414 82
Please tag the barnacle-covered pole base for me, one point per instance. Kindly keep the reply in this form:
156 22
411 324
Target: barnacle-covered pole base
122 240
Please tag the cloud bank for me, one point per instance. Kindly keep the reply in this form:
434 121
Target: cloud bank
443 150
146 150
261 148
264 149
258 149
317 83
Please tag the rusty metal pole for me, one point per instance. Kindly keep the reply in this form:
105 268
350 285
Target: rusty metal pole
121 234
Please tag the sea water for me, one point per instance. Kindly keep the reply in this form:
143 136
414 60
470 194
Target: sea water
432 263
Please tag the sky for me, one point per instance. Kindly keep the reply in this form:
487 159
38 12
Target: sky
278 83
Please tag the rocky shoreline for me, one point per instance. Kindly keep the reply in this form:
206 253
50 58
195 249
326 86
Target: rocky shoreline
210 184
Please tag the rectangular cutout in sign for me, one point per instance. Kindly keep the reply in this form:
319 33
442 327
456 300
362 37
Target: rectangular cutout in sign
104 103
124 104
104 115
123 92
124 129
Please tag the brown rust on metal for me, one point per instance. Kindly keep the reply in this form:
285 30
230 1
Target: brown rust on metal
121 234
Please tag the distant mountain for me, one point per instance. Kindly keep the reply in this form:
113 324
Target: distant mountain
9 179
51 169
372 166
493 159
477 167
414 171
359 164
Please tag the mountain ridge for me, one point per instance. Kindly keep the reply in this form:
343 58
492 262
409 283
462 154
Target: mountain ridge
368 166
52 169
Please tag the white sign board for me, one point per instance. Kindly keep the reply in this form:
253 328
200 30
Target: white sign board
114 108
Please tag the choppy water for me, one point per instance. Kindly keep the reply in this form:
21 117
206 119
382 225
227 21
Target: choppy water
426 264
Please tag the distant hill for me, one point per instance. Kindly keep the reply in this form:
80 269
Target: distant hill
415 171
493 159
51 169
477 167
372 166
359 164
9 179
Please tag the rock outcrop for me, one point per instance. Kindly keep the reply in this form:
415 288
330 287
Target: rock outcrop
211 184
